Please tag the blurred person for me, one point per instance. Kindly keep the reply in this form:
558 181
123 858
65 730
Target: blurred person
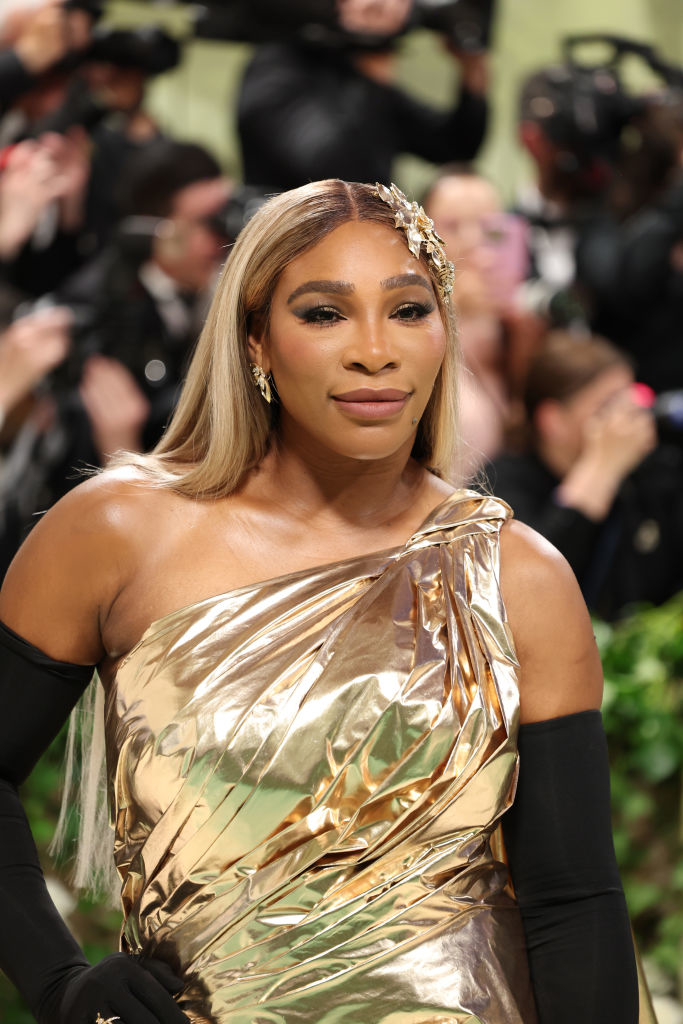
308 110
137 310
571 180
142 300
488 248
630 268
92 128
43 196
595 481
117 69
605 213
30 348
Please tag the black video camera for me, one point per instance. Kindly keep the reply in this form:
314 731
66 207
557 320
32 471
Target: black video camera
585 106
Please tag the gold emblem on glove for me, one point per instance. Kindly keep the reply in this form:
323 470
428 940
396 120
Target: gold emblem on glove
109 1020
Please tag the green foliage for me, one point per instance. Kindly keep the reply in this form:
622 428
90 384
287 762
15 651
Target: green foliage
643 712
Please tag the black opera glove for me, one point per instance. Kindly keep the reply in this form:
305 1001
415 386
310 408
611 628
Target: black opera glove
37 951
558 838
138 992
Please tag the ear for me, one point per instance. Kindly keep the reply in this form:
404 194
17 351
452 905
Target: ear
257 343
548 420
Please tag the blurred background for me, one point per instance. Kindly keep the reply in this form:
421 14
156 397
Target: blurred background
545 141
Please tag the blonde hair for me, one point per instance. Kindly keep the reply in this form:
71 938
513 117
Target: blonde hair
221 427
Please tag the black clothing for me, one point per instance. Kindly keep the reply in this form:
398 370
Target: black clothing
558 840
635 285
118 316
37 950
634 555
14 78
151 334
306 113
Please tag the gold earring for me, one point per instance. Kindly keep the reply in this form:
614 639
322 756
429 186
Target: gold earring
261 382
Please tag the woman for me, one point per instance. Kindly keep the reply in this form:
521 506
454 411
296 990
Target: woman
311 691
595 478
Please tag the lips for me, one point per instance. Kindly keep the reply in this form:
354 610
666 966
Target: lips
372 403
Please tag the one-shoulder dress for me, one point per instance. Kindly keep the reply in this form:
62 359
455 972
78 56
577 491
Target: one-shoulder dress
306 779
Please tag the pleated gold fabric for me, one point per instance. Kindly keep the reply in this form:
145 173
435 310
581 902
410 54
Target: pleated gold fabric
306 775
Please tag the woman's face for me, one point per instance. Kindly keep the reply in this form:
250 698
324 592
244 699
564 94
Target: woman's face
354 344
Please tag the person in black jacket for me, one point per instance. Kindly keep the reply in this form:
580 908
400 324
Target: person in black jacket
596 482
307 111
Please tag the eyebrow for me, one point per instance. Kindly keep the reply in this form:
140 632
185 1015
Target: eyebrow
344 288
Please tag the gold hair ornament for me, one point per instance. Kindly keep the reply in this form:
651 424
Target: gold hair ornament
261 382
419 229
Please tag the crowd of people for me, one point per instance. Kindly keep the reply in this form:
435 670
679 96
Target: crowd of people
112 232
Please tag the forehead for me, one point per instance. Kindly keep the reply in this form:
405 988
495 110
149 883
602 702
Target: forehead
464 196
358 252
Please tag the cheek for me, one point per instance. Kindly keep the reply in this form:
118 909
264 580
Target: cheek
301 361
432 351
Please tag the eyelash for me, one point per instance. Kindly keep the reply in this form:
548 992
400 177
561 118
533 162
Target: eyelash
323 316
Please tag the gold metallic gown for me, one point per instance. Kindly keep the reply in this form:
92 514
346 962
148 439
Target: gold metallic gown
306 775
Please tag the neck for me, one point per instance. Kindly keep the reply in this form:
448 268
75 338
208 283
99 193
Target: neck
323 486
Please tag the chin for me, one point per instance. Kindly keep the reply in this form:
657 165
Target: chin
374 452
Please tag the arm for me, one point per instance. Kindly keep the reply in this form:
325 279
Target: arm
558 831
61 582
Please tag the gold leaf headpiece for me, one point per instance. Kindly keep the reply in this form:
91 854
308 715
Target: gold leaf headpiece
419 229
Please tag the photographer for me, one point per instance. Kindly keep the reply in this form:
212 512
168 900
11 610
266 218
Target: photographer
89 129
136 313
631 271
313 109
595 481
140 303
30 348
606 212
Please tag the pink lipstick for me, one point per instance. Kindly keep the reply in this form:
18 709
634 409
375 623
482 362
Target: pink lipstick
372 403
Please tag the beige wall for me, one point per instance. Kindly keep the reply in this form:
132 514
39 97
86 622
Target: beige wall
196 100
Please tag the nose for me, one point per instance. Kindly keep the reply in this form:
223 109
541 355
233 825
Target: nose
371 350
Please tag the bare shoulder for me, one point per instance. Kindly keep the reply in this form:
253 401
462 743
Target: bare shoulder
73 563
560 670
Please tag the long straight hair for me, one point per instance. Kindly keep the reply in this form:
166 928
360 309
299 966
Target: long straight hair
221 429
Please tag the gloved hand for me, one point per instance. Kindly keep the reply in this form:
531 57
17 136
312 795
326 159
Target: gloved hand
136 991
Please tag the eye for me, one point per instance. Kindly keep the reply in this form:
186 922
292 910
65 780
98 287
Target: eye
411 312
320 315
